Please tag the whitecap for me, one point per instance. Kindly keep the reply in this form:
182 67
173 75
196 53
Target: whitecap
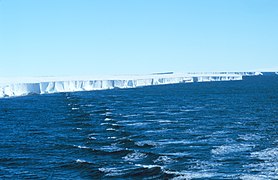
171 141
110 129
89 105
80 161
269 154
177 154
149 166
268 166
164 121
164 160
191 175
112 137
82 147
111 148
92 138
107 113
134 156
111 171
131 115
234 148
253 177
250 137
137 124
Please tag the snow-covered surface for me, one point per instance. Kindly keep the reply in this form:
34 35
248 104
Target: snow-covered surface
10 87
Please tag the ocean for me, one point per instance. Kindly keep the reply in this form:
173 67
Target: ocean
214 130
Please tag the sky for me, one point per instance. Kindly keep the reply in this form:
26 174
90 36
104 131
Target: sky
93 37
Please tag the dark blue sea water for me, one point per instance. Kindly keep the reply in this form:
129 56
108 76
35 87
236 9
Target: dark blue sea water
217 130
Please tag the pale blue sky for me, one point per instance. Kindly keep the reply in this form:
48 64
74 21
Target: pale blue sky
84 37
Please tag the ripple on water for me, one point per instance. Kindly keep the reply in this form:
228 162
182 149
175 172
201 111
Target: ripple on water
250 137
253 177
269 154
112 171
172 142
197 131
234 148
122 171
146 143
191 175
267 166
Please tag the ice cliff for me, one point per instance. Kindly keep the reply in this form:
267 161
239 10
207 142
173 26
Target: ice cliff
23 86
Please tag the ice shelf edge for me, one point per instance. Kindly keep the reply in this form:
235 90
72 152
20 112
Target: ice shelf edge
57 85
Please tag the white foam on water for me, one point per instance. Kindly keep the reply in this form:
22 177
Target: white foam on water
189 110
177 154
149 166
116 171
89 105
74 108
234 148
82 147
81 161
171 141
107 113
110 129
111 148
190 175
268 164
269 154
107 119
205 165
250 137
156 131
137 124
111 171
135 156
112 137
143 143
164 160
253 177
164 121
131 115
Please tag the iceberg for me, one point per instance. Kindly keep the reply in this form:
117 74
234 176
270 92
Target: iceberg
13 87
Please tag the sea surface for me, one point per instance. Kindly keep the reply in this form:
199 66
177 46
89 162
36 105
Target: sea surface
216 130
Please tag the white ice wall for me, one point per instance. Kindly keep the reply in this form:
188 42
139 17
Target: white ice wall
45 87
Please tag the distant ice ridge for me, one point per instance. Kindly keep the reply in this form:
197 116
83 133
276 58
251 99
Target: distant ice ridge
11 87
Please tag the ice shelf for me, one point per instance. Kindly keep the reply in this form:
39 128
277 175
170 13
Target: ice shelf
11 87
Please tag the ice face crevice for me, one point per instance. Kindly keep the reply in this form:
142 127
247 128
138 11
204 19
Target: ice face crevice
24 87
